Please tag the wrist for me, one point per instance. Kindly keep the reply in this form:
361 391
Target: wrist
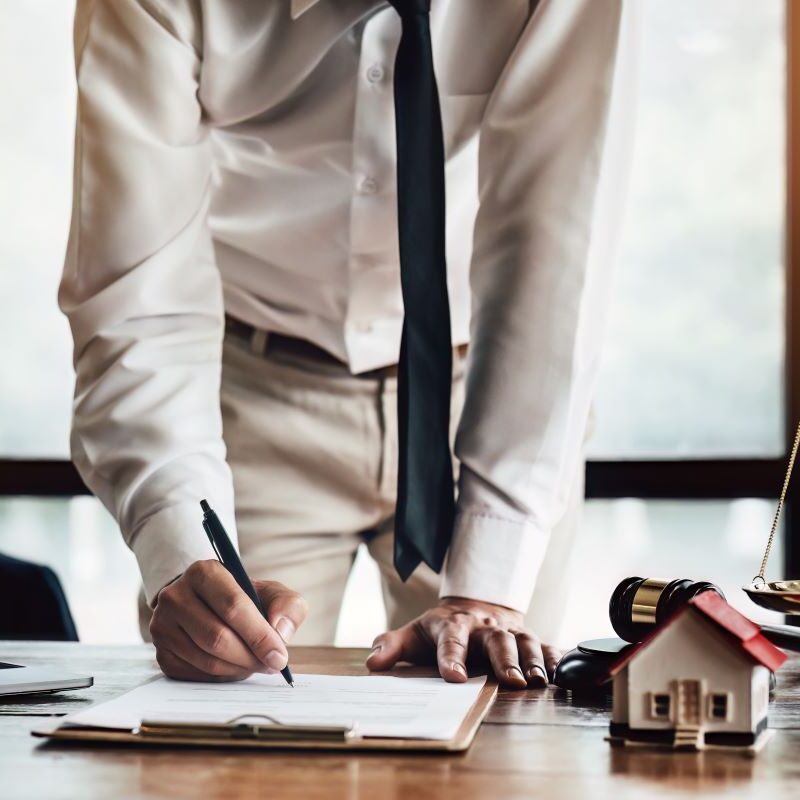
471 604
158 593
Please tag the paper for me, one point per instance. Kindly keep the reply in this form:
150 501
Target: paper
375 705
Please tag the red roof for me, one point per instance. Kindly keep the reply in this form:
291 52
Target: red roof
742 632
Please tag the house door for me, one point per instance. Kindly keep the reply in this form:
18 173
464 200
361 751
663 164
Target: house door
688 703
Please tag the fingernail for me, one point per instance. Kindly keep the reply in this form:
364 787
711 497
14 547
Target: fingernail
515 674
375 650
285 628
459 668
275 660
538 674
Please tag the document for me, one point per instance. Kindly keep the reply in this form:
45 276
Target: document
374 705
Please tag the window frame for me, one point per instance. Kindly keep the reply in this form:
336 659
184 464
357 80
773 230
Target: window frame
717 701
661 700
651 479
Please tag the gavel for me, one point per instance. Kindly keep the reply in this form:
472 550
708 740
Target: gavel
637 606
640 604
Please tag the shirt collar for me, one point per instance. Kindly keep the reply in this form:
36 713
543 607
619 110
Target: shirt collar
299 7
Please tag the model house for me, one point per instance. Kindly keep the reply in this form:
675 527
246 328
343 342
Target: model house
699 680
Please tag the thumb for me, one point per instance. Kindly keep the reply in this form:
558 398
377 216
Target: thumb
284 608
387 650
403 644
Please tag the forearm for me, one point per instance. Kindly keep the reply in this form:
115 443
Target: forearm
147 434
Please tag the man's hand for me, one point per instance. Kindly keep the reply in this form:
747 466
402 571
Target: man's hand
205 628
457 630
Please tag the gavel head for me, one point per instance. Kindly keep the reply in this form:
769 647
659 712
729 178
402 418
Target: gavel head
640 604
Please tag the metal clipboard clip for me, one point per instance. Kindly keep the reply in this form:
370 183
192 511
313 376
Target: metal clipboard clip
239 728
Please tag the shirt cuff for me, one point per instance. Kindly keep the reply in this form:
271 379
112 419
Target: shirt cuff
172 540
493 560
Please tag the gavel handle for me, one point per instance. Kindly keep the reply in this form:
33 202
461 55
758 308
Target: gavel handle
786 637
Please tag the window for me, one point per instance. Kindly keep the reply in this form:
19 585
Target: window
35 198
694 356
718 707
715 540
699 390
659 706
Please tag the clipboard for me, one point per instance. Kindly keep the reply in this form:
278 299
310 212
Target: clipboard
258 732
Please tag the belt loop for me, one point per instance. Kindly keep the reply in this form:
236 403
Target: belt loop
258 342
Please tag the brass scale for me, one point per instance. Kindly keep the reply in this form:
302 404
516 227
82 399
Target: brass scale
586 666
783 596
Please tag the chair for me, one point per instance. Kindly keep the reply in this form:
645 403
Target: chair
32 603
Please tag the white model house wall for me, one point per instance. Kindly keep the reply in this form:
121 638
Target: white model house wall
692 648
759 693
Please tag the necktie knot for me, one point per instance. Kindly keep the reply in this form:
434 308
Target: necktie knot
410 8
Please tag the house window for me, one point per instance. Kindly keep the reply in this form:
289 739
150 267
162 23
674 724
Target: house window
659 706
718 706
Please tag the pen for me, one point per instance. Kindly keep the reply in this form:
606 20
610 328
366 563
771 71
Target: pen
229 559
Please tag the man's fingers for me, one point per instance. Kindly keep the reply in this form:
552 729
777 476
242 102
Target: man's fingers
193 620
286 610
212 666
500 648
175 667
531 659
452 641
193 664
552 655
217 588
458 629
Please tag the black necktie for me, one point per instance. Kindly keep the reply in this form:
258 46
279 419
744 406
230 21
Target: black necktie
425 502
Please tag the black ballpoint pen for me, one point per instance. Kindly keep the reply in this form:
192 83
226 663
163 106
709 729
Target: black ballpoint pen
229 559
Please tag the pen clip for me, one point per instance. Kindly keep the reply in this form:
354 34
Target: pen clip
240 725
268 729
242 717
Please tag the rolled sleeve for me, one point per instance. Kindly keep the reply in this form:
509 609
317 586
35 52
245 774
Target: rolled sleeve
493 559
181 527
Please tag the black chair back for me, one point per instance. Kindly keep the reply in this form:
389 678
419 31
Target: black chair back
32 603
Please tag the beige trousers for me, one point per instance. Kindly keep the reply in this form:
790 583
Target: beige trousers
313 452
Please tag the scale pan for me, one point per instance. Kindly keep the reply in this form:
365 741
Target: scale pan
783 596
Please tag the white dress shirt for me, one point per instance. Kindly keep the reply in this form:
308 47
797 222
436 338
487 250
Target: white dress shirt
241 156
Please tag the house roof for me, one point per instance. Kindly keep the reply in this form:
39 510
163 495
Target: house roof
740 632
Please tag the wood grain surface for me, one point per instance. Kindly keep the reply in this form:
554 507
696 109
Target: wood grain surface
535 744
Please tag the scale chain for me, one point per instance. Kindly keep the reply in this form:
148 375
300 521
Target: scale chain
778 510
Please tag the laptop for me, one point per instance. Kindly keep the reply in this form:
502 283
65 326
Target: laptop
18 679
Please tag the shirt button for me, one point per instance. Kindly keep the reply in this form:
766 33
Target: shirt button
375 73
368 186
364 327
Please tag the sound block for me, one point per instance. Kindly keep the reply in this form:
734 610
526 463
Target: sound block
585 669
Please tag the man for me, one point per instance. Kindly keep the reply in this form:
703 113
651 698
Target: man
237 171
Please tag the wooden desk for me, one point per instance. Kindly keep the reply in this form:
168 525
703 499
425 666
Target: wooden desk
535 744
